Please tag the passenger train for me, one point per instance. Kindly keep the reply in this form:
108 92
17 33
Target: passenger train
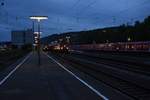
119 46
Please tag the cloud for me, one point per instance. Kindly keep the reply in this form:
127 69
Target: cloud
73 14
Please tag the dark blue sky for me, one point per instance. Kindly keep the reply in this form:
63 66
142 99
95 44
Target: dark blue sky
70 15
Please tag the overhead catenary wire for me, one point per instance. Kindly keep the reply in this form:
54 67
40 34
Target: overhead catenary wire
114 16
87 7
127 9
81 12
75 4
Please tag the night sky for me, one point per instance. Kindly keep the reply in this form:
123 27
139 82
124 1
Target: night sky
70 15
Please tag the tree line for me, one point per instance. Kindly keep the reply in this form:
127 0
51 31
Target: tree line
140 31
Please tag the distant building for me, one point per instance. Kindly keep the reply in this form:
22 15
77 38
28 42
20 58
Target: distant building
22 37
5 45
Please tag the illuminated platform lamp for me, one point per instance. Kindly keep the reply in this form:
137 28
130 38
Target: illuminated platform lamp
36 42
38 19
129 39
36 37
36 33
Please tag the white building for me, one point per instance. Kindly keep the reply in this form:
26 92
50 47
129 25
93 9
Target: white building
22 37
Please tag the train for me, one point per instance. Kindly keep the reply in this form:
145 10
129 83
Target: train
119 46
58 48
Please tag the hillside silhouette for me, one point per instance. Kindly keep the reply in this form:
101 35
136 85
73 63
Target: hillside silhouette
140 31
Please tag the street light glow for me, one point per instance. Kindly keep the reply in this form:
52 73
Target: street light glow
37 33
129 39
39 18
36 37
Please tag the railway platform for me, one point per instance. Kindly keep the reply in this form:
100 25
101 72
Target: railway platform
49 81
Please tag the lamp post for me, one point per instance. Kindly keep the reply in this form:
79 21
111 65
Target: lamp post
38 18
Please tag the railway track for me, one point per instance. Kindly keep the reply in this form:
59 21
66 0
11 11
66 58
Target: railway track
141 69
118 79
135 66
